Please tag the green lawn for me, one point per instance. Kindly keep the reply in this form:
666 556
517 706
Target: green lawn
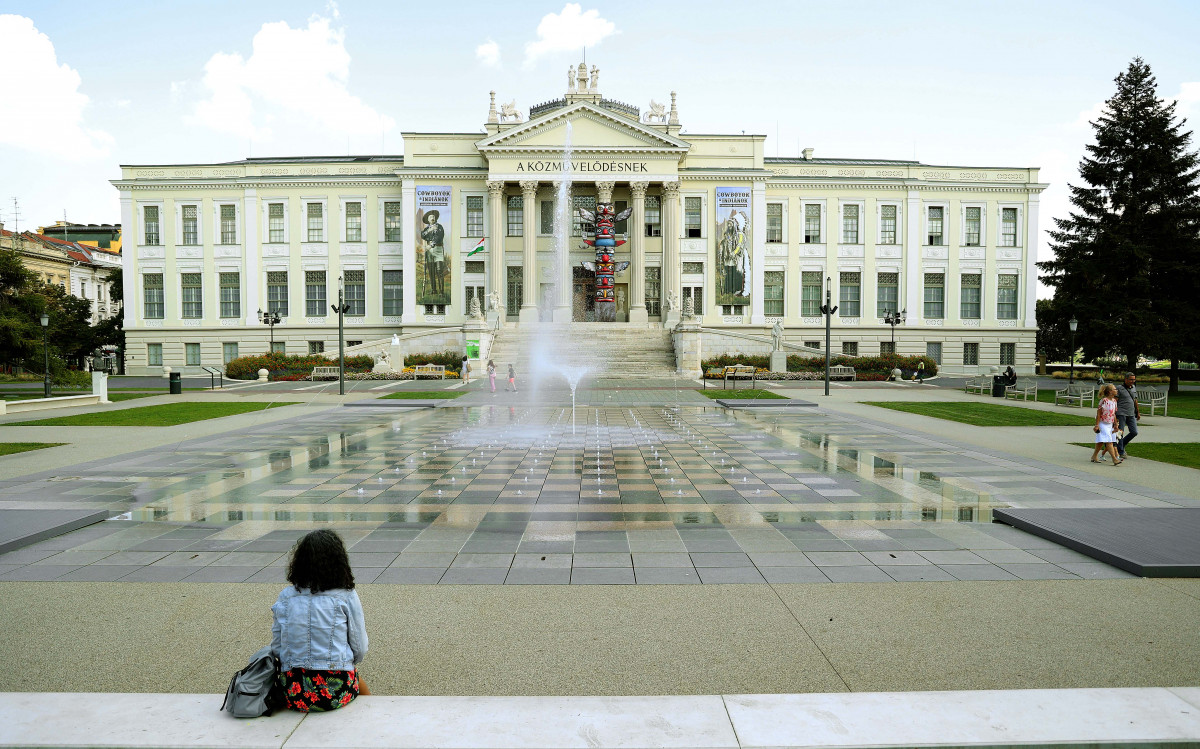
22 395
1186 454
423 394
166 415
10 448
1185 405
747 393
987 414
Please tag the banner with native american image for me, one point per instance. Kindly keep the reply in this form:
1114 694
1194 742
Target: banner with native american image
433 259
733 245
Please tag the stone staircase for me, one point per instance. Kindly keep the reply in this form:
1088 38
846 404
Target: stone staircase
604 349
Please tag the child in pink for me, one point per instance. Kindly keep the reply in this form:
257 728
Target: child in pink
1106 414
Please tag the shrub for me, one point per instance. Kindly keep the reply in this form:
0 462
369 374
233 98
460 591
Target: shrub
865 367
284 367
72 378
448 359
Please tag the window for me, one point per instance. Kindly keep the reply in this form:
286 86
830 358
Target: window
579 227
970 354
314 293
546 216
812 344
473 292
277 292
810 293
316 347
154 354
1006 298
316 222
1008 227
971 296
693 269
691 218
653 291
812 224
354 222
515 285
934 351
393 292
849 224
887 224
191 354
353 343
887 293
355 292
193 300
474 215
229 352
275 233
191 233
887 347
229 224
733 309
83 289
231 294
653 216
935 295
622 226
152 296
935 225
391 222
473 266
774 222
435 309
850 348
773 293
849 294
971 229
516 216
1008 353
278 347
696 294
150 214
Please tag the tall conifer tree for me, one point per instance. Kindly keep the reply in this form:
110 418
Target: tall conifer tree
1127 259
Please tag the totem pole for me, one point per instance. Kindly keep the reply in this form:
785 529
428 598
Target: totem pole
606 243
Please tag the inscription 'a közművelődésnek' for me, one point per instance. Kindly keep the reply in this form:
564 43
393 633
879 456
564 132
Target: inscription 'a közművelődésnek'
582 166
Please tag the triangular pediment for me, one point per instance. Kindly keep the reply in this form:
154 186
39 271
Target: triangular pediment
593 130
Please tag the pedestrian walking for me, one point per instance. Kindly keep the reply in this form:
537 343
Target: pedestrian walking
466 370
1105 416
921 372
512 379
491 372
1128 412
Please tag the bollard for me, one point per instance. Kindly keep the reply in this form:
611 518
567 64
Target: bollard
263 375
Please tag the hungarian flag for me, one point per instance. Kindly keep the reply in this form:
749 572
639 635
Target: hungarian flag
478 248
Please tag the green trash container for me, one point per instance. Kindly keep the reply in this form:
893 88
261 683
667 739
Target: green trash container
176 383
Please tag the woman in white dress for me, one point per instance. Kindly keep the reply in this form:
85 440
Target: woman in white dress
1106 414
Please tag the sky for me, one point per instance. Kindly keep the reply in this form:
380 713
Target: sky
89 86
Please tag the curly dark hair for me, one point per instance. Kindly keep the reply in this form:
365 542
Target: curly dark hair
319 562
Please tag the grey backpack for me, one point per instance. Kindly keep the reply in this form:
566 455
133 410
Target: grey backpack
254 691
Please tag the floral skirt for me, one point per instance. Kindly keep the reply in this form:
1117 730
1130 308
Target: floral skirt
312 690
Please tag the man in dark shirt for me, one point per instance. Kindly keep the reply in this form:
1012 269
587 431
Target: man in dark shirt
1128 413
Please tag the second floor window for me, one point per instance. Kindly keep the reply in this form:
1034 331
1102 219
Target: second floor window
229 224
474 215
546 215
810 293
850 225
314 293
191 233
774 222
354 222
393 293
150 220
653 291
579 227
191 294
691 217
277 292
231 295
935 296
1008 227
391 222
275 233
355 292
812 224
152 296
971 296
887 292
1006 297
516 216
653 216
773 293
971 230
934 224
887 224
849 294
316 222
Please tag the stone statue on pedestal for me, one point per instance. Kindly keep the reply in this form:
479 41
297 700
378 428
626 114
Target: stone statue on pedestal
777 336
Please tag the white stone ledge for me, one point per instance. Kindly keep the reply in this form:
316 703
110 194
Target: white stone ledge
1027 718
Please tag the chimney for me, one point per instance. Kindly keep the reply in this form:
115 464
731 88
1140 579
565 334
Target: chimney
808 152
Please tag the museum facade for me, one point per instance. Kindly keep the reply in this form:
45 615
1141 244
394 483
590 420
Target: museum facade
716 229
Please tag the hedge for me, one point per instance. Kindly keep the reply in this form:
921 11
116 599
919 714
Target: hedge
867 367
448 359
284 367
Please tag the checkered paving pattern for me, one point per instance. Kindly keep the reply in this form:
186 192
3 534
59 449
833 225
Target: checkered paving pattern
537 495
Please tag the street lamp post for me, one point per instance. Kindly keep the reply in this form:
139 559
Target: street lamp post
271 319
340 308
894 319
1074 324
828 309
46 353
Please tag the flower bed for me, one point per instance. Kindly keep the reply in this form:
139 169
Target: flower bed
866 368
289 368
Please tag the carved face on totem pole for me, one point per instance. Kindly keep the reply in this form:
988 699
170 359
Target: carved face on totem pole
605 268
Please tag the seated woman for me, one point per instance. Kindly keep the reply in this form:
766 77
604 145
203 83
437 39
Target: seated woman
319 632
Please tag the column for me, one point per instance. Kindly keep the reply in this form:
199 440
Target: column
670 271
251 246
913 300
637 253
130 272
758 251
412 245
1029 281
604 191
564 281
497 273
529 274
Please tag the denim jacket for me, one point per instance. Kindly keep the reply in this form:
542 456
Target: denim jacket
324 631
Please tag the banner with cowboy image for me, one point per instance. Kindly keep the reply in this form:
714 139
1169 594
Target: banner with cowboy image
433 260
733 245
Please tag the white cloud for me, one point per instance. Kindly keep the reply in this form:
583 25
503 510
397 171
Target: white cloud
292 75
568 31
488 54
51 106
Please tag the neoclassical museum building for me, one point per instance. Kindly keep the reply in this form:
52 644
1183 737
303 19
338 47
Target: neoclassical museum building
716 228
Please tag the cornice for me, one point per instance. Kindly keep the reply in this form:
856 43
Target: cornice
826 183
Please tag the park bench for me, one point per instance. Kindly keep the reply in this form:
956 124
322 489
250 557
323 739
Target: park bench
1151 398
977 385
320 373
842 372
1075 395
733 373
1022 392
429 370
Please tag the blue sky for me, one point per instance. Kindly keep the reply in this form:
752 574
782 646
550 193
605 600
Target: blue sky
986 84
